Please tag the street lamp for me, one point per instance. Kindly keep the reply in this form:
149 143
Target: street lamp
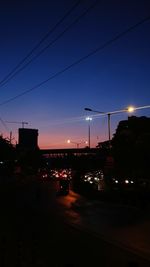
76 143
129 109
89 119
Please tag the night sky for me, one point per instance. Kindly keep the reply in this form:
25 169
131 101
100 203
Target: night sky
53 87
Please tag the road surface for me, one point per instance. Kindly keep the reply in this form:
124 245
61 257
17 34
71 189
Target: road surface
39 228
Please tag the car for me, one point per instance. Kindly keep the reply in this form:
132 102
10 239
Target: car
61 174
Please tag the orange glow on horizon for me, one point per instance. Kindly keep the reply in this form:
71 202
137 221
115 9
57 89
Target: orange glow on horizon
58 141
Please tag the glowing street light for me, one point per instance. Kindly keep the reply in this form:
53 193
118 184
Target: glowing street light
108 114
89 119
132 109
129 109
76 143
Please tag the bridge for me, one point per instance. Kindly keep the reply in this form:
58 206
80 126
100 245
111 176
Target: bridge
68 151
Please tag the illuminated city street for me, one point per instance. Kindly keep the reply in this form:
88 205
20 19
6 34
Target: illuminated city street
40 228
75 133
124 225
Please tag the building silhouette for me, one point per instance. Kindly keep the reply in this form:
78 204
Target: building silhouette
27 138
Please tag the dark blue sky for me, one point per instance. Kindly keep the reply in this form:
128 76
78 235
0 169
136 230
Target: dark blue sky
111 79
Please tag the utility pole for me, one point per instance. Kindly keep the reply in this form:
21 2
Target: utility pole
89 130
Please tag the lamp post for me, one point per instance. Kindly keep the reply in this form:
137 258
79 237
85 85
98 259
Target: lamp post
76 143
89 119
129 109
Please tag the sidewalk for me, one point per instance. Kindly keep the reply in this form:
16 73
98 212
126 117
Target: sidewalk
124 226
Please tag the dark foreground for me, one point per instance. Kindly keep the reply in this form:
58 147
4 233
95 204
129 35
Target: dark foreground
33 232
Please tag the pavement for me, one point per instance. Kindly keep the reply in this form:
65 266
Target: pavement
123 225
39 228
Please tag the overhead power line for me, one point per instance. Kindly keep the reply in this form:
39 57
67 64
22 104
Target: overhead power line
6 78
101 47
51 43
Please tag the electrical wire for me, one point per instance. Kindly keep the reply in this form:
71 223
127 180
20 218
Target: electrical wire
6 78
52 42
101 47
